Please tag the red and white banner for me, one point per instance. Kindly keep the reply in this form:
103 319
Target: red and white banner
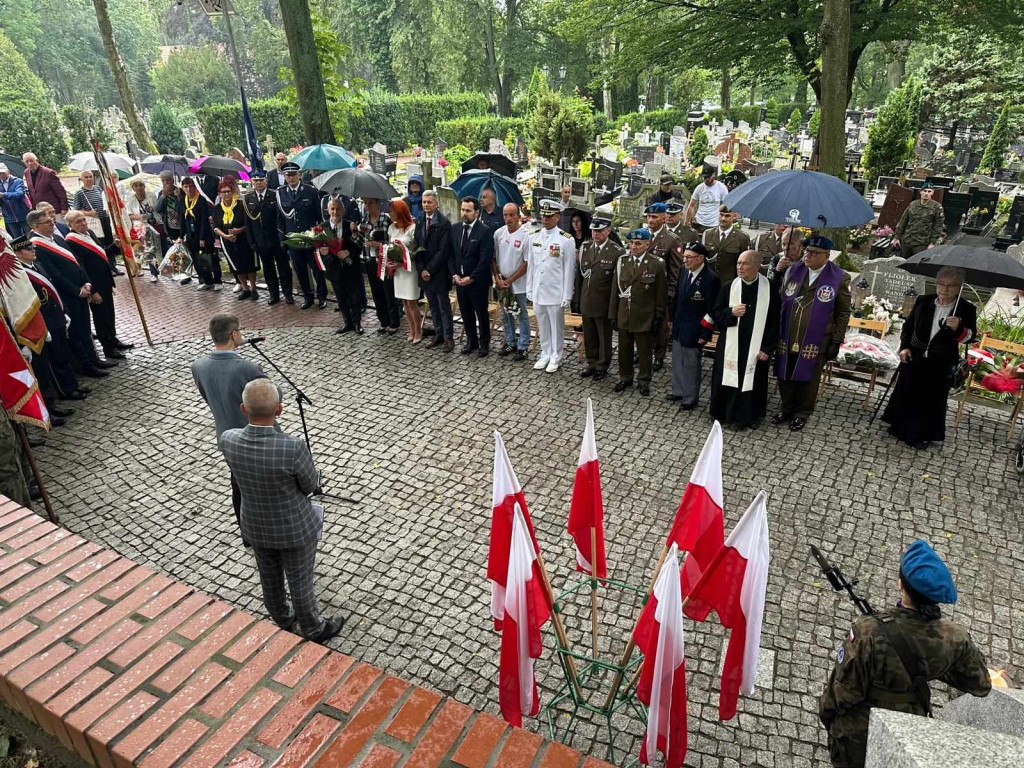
662 686
119 220
20 302
586 510
18 387
53 248
526 611
734 585
699 527
87 242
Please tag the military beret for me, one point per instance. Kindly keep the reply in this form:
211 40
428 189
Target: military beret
927 185
258 174
600 223
21 243
697 247
640 233
655 208
551 206
926 574
819 241
674 207
290 167
666 178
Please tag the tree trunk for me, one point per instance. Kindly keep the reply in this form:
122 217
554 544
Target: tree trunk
896 68
724 92
606 86
492 59
309 85
800 95
124 89
753 93
651 93
835 48
505 98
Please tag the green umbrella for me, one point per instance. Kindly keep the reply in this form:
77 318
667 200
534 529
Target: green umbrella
324 157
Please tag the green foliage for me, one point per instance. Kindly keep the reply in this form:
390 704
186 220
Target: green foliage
699 147
83 124
795 118
658 119
197 77
537 89
814 123
998 142
404 121
475 132
771 112
27 121
456 155
166 129
562 127
750 114
888 136
223 128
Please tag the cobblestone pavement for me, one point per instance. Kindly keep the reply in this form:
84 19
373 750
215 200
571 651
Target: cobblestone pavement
408 432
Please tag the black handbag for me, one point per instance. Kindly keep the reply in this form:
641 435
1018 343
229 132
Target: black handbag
959 372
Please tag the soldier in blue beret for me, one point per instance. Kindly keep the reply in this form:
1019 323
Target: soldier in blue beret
885 653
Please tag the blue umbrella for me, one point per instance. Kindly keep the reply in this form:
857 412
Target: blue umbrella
324 157
801 199
475 182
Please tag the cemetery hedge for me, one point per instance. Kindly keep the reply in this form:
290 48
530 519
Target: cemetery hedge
404 121
81 125
28 122
657 119
223 128
474 132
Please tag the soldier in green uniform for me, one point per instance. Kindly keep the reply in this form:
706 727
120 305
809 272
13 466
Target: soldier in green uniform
675 224
870 672
725 243
595 276
637 308
921 225
12 481
668 247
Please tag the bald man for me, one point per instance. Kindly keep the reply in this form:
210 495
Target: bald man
276 475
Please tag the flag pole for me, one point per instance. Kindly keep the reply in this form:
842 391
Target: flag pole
593 590
27 448
556 620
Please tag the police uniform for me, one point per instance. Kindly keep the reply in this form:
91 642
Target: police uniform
299 211
869 671
595 278
724 249
261 232
921 225
550 277
639 300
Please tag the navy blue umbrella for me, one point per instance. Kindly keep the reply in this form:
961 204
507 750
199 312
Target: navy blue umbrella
475 182
801 199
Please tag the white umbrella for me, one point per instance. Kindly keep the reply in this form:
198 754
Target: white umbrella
86 161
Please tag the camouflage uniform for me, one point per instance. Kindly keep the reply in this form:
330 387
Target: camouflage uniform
920 225
868 673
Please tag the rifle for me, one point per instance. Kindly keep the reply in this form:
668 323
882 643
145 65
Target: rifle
839 582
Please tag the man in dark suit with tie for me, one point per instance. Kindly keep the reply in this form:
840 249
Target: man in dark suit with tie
276 476
260 207
275 178
433 233
471 251
299 211
691 324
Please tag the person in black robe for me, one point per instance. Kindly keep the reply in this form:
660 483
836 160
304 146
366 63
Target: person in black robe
929 348
731 405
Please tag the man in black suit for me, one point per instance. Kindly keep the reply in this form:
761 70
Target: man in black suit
433 232
299 211
275 179
690 324
471 251
260 207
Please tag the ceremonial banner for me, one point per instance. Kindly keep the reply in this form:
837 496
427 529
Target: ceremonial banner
586 510
18 387
20 302
118 215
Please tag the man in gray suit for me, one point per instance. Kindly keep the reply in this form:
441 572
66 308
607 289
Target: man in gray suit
276 475
221 376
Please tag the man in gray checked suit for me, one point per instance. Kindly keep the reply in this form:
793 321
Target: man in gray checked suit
276 475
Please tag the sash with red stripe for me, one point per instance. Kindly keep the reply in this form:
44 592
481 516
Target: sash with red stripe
87 242
47 286
53 248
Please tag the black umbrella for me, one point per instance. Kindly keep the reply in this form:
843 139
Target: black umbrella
985 267
176 164
355 182
497 163
14 164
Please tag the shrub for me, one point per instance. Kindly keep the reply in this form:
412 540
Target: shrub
998 142
795 117
814 123
699 147
771 112
456 155
785 110
223 127
475 132
410 119
165 128
198 76
657 119
28 122
81 125
562 127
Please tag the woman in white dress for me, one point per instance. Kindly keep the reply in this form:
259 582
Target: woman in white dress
407 286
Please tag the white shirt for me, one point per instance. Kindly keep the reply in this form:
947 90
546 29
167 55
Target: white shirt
709 200
511 249
812 275
551 267
694 273
942 311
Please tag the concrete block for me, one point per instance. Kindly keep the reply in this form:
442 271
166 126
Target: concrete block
899 740
1001 711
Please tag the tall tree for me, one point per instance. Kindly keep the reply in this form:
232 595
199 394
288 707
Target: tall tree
309 87
834 86
998 142
124 88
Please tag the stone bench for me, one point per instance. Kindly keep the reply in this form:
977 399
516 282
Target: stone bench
125 666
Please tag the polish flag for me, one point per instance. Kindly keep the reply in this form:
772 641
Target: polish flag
662 686
699 528
586 510
734 585
506 494
526 611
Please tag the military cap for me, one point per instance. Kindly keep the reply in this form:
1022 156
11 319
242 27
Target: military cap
549 207
923 571
640 233
655 208
21 243
674 207
261 174
819 241
697 247
666 178
600 223
927 185
290 167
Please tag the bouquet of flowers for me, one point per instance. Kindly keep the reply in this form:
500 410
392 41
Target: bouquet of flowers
875 308
507 300
882 231
860 235
1002 373
311 239
864 351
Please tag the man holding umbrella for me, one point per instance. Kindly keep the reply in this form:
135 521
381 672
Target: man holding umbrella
299 211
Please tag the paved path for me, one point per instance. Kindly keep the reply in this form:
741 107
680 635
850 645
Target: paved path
408 431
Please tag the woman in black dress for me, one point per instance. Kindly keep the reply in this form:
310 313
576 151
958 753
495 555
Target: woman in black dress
929 348
229 225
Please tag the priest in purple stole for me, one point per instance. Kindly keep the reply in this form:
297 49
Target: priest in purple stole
814 317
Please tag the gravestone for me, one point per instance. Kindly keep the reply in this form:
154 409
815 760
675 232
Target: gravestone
743 127
448 203
1016 213
915 183
955 206
1005 174
440 145
643 154
942 181
548 181
539 193
677 146
679 130
887 281
861 185
611 154
673 164
413 168
631 207
378 162
634 183
653 171
579 190
608 174
497 147
884 182
728 125
734 148
897 199
972 163
522 152
664 140
986 200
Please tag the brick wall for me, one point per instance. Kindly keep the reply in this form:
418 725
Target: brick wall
128 667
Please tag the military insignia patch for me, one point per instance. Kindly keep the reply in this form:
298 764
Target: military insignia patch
791 288
826 293
841 654
697 296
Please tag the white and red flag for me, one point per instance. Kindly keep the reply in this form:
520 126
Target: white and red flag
662 686
733 585
699 527
586 510
19 301
526 611
19 390
506 494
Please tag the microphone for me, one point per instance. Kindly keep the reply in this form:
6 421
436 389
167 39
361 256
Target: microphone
254 340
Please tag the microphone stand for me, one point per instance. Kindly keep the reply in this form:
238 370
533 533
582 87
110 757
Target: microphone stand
300 399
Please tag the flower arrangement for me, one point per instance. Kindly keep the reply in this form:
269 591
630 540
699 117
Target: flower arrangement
1000 373
883 232
974 215
876 308
507 301
860 235
311 238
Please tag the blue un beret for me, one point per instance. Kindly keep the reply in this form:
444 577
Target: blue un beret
819 241
640 233
656 208
925 572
